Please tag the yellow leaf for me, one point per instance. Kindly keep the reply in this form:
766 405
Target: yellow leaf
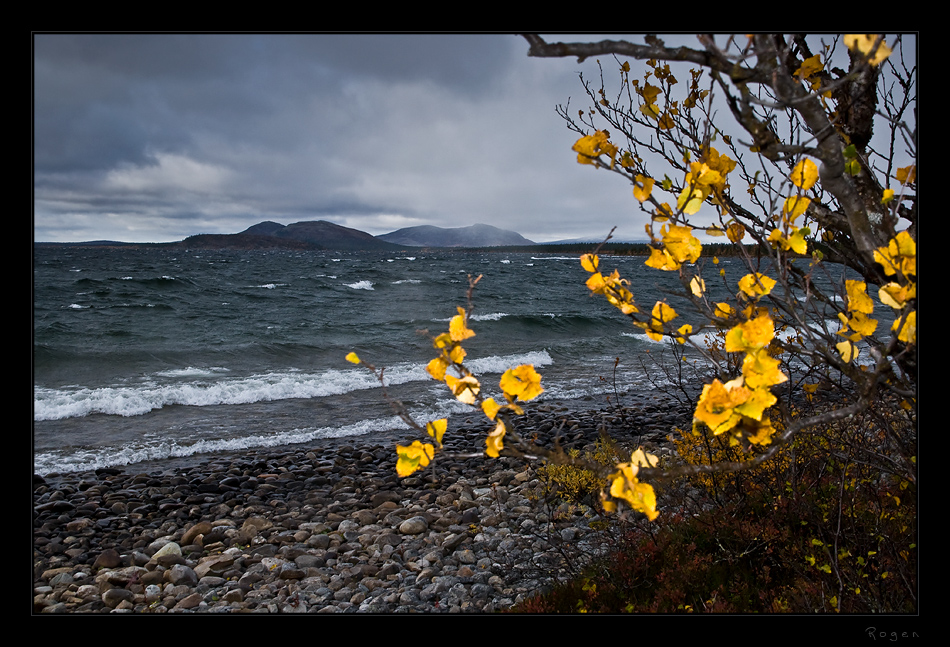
900 255
864 44
907 175
847 350
723 310
896 295
858 300
624 485
521 382
663 213
697 286
888 196
589 262
589 145
750 335
649 93
642 188
458 329
755 405
660 259
805 174
493 443
465 389
795 206
662 313
443 340
436 368
650 110
908 329
763 433
414 457
457 354
690 201
592 146
809 66
353 357
436 429
797 241
735 232
642 459
596 282
684 332
723 164
716 405
491 408
681 244
760 369
756 285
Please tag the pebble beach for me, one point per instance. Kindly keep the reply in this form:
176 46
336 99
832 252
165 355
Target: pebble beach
327 527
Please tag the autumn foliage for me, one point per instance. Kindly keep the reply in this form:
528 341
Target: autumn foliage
818 177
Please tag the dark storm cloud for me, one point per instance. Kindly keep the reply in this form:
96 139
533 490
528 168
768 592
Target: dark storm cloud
157 137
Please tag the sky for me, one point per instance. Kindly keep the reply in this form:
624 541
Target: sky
156 137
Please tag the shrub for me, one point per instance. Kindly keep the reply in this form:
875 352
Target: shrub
821 529
801 188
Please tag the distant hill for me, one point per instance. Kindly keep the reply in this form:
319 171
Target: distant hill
324 235
313 234
266 228
472 236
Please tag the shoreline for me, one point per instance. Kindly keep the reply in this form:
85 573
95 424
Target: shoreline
325 527
388 438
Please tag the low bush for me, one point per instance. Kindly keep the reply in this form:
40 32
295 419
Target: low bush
828 527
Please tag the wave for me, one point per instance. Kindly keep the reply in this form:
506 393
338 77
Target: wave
210 387
85 459
494 316
91 459
361 285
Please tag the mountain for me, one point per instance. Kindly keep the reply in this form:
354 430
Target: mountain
324 235
332 236
313 234
472 236
266 228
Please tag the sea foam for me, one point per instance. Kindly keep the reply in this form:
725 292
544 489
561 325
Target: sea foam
211 387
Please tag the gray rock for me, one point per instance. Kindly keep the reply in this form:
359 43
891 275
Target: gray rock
181 574
113 597
414 526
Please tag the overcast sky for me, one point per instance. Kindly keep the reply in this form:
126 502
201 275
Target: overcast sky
153 138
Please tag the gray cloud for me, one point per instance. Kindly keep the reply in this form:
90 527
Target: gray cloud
157 137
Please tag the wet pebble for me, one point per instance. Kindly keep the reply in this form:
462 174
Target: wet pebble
322 529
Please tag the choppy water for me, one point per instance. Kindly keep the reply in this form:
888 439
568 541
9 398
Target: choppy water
150 354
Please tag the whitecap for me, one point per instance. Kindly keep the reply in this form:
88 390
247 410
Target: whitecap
361 285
